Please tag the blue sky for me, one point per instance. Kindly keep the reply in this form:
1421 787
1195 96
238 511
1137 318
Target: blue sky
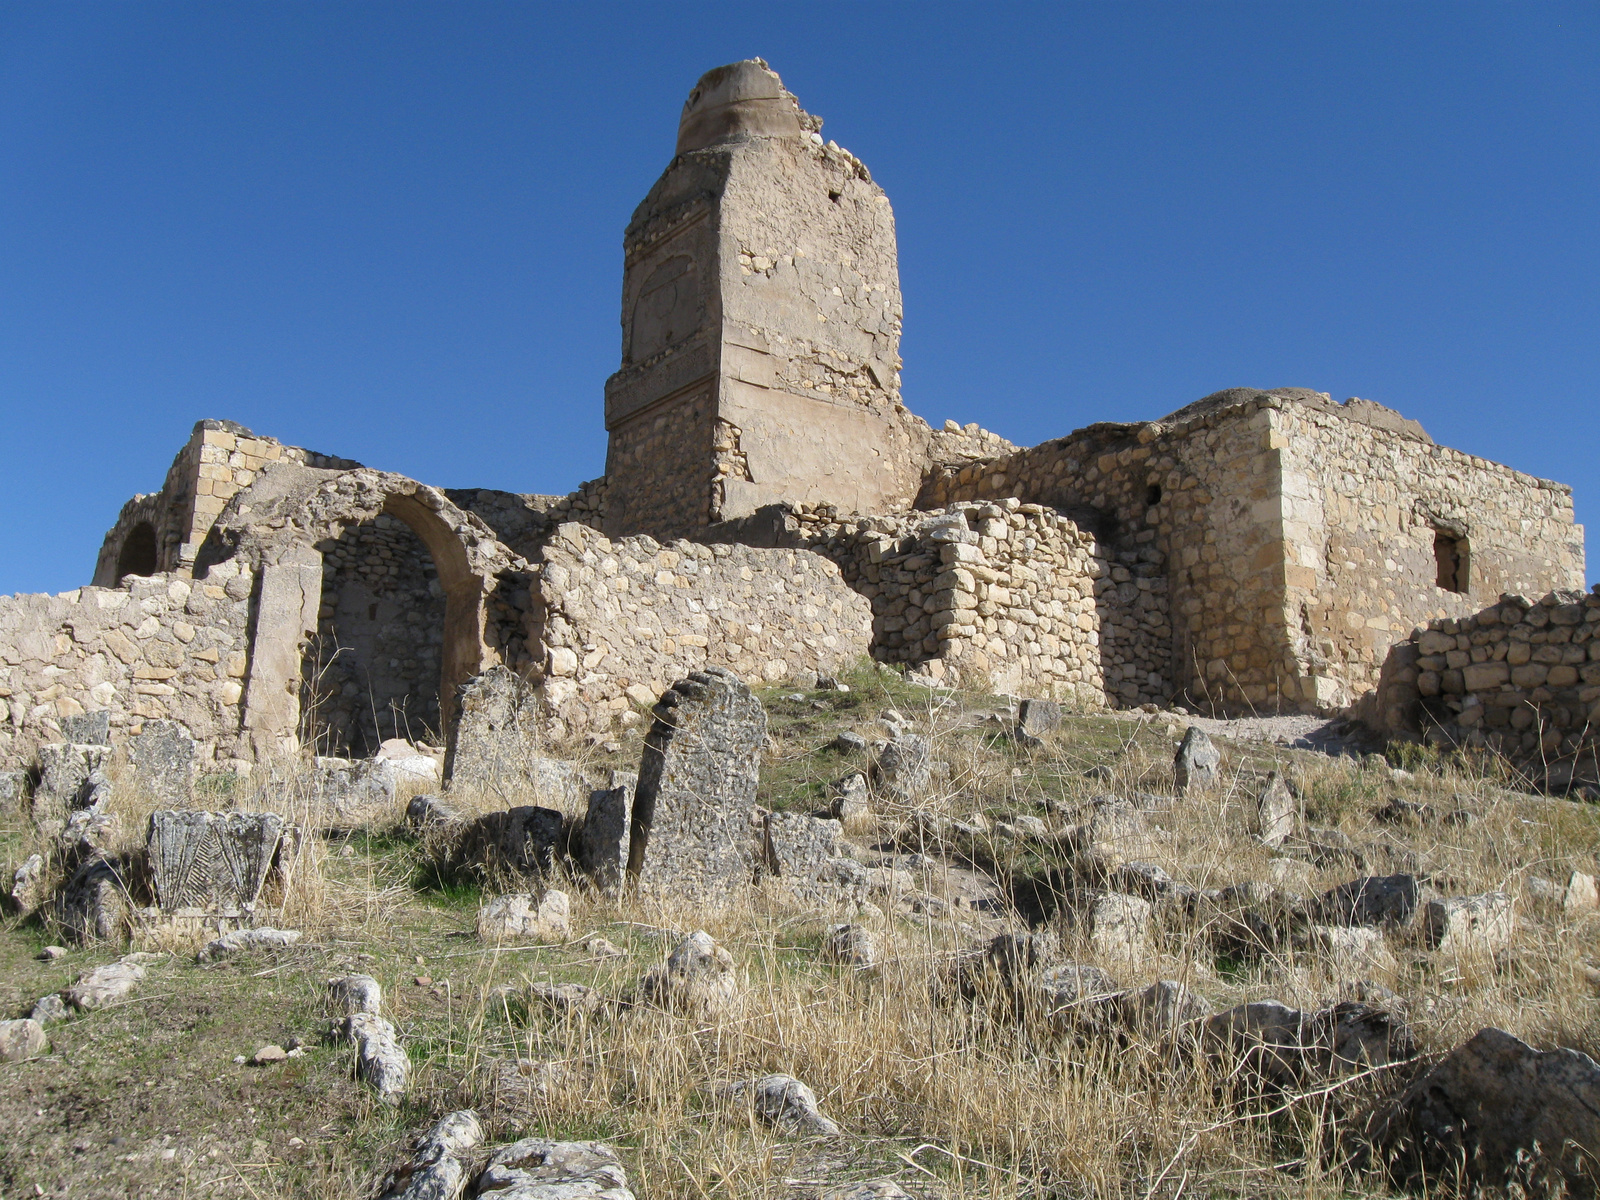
393 231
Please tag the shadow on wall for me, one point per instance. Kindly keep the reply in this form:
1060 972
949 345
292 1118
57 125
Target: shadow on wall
1519 679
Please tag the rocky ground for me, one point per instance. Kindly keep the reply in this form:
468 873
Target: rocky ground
1047 973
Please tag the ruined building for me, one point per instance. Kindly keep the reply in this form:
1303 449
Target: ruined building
770 506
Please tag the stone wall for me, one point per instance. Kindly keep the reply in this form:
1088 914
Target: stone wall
1521 678
1009 596
1297 534
616 622
166 646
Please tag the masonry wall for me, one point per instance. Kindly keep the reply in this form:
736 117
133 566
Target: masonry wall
1521 678
1364 507
619 621
166 646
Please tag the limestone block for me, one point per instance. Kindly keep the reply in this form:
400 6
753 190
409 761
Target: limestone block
1196 762
20 1040
93 907
1115 926
519 843
1372 900
696 791
245 941
525 918
28 886
163 756
785 1103
216 862
850 945
65 771
87 729
381 1061
1277 811
354 793
607 830
13 789
537 1169
436 1170
352 994
699 978
105 985
1457 924
1038 717
903 768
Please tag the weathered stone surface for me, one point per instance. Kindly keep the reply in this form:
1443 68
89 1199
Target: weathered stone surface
93 906
1038 717
1352 949
49 1008
1277 811
22 1039
352 994
850 946
1195 765
807 857
1162 1007
87 729
381 1061
870 1189
246 940
1372 900
216 862
1116 926
525 918
436 1170
428 812
355 793
699 978
65 771
566 999
903 768
697 786
1269 1043
536 1169
785 1103
1497 1114
163 757
106 985
521 843
607 832
13 790
1458 924
29 886
850 798
500 743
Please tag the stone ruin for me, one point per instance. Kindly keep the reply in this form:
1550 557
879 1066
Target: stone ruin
771 508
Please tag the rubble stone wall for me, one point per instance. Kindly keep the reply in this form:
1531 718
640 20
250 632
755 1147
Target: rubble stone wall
164 646
1520 677
616 622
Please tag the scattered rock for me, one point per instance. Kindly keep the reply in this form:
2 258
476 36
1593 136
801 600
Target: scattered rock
1195 765
536 1169
430 812
1038 717
698 978
1456 924
1115 926
1158 1009
785 1103
566 999
13 790
49 1008
22 1039
436 1170
850 798
523 917
1277 810
29 889
51 953
352 994
697 789
93 906
68 774
871 1189
520 1082
1290 873
1373 900
1499 1115
849 743
903 767
106 985
268 1054
381 1062
850 946
599 947
1352 948
244 940
523 842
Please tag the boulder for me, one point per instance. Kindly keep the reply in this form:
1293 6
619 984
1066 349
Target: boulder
785 1103
699 979
525 917
1372 900
1277 810
215 862
106 985
163 758
537 1169
381 1061
850 946
903 768
1196 763
22 1039
1497 1115
1266 1043
352 994
1457 924
697 788
436 1170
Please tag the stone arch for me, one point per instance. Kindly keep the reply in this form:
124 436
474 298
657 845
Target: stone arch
140 554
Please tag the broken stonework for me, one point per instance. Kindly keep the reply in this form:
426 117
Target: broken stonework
522 843
105 985
1456 924
697 788
1499 1115
785 1103
355 792
1116 926
163 757
1038 717
1195 765
699 979
536 1169
381 1061
13 790
22 1039
522 918
243 940
499 746
29 886
808 858
215 862
93 907
352 994
850 798
607 831
1372 900
87 729
1277 811
67 774
850 946
436 1170
903 767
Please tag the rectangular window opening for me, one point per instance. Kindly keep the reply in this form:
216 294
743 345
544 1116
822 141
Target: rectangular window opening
1450 558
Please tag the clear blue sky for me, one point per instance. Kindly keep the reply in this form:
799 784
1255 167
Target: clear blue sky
393 231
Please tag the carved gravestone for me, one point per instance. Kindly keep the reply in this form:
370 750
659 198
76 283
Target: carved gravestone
215 862
607 831
163 761
67 778
499 743
87 729
697 787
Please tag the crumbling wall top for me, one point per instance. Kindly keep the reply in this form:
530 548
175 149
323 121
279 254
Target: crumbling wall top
741 100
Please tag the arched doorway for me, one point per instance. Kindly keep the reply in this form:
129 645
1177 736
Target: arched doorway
139 554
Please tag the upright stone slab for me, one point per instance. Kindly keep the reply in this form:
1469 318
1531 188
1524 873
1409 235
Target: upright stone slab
607 832
1038 717
215 862
499 746
163 761
1195 765
87 729
66 778
692 833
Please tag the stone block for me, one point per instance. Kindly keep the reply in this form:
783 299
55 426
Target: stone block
87 729
537 1169
93 907
1038 717
697 785
607 831
1277 811
1196 762
215 862
67 780
21 1040
1458 924
1372 900
13 790
903 768
28 886
525 918
163 757
520 843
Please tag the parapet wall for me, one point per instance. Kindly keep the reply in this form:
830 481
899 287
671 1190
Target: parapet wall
1521 678
163 647
615 623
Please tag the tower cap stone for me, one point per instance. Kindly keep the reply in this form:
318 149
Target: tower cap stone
743 99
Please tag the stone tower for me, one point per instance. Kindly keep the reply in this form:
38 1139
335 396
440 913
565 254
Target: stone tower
760 325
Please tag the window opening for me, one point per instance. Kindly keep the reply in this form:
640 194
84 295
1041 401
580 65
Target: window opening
1450 560
138 554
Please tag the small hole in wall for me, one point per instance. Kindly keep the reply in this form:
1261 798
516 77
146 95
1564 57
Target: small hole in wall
1152 495
1451 560
834 196
372 612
